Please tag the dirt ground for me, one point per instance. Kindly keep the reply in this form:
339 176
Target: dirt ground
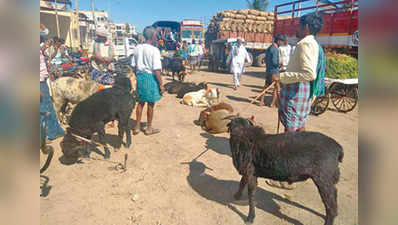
163 184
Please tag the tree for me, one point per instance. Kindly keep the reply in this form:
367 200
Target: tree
258 4
127 29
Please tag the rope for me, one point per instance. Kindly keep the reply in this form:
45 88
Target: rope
87 140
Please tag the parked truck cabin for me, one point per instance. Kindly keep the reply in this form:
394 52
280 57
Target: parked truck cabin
187 30
191 29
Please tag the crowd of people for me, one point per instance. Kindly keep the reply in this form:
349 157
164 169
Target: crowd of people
296 72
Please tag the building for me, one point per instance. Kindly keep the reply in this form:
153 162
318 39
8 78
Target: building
86 20
120 30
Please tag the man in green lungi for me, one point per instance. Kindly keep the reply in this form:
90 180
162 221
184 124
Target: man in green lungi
147 66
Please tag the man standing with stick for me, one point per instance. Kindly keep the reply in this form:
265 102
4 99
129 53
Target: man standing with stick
272 64
303 79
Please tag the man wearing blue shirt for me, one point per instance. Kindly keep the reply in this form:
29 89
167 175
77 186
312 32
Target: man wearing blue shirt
272 65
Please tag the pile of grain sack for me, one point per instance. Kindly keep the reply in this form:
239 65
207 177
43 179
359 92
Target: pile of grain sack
241 22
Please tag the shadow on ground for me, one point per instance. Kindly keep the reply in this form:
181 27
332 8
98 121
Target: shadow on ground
44 187
222 84
238 99
256 74
222 191
217 144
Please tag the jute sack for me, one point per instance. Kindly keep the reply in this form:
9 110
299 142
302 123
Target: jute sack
243 11
254 12
260 18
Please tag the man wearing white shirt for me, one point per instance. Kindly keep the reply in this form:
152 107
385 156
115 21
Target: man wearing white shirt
236 59
285 51
147 66
200 53
302 80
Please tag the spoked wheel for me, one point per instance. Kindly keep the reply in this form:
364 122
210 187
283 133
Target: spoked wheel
47 150
44 149
320 105
344 97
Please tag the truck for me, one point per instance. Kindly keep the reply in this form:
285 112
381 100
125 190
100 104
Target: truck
340 23
186 30
192 30
339 32
254 26
124 47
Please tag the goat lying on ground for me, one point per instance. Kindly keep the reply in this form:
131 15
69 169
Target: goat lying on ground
190 87
212 118
290 157
91 115
201 98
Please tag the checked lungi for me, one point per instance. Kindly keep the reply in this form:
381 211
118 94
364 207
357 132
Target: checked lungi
295 105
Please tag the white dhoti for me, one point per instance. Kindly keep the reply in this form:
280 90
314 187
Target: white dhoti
237 73
236 59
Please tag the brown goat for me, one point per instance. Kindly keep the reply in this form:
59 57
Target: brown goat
205 113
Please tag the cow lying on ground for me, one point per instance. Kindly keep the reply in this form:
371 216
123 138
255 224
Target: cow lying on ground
212 119
91 115
202 98
289 157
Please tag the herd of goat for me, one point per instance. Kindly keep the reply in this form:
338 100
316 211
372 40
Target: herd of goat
288 157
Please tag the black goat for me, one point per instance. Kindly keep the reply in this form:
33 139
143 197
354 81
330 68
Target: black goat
177 67
166 64
190 87
290 157
91 115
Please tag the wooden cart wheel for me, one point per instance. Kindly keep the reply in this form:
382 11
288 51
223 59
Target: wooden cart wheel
48 150
344 97
45 149
320 105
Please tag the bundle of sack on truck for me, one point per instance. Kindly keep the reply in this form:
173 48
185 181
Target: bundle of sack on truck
243 20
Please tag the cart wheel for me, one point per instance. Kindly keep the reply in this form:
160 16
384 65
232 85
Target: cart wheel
320 105
48 150
344 97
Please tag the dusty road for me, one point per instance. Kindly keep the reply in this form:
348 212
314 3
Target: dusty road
163 185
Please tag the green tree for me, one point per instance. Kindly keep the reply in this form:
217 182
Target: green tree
127 29
258 4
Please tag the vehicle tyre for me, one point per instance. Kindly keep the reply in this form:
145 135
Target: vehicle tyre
260 60
251 59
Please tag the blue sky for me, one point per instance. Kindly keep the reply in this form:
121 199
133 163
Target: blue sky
144 13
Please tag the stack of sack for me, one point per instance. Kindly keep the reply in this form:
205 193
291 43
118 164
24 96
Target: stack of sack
243 20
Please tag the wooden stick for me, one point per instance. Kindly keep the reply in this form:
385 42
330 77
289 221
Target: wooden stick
263 92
